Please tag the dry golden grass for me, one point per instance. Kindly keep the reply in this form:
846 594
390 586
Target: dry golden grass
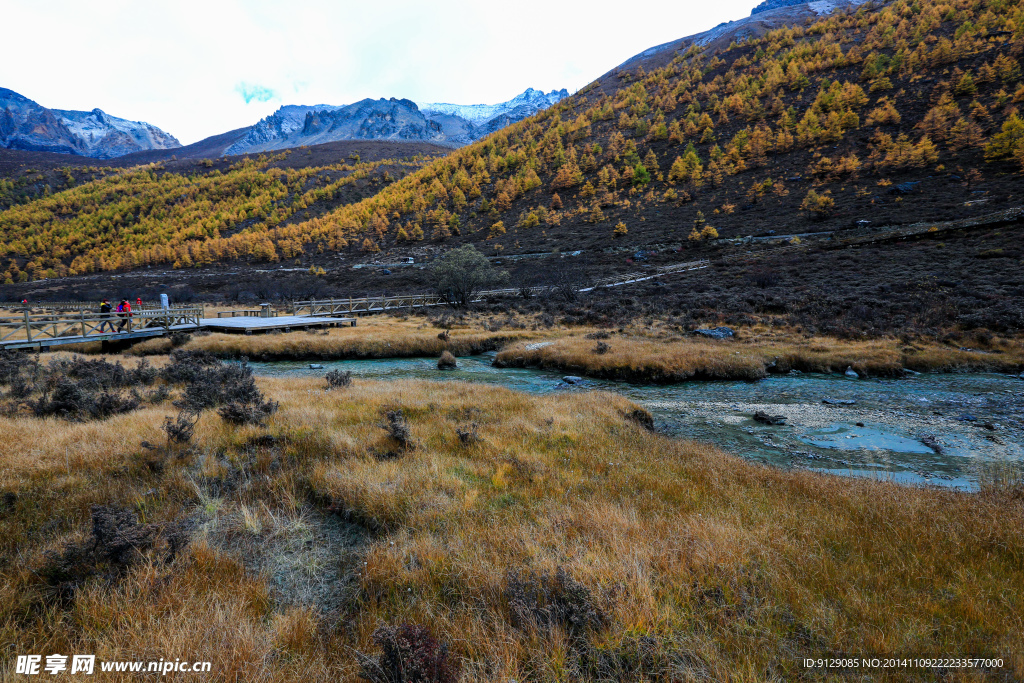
716 568
373 337
673 358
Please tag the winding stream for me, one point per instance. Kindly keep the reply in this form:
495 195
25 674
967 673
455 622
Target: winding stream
941 429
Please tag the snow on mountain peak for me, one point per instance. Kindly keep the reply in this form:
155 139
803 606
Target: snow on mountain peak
481 113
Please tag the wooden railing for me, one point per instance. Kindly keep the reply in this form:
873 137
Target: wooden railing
44 328
240 313
352 306
69 306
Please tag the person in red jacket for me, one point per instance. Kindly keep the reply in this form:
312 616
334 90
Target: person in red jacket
124 312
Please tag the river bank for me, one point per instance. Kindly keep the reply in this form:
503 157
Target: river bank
947 429
655 352
747 356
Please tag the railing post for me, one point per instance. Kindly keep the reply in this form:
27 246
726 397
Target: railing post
28 326
83 322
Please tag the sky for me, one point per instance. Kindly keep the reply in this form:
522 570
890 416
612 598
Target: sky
196 69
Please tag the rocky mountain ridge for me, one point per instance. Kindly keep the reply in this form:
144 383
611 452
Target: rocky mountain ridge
27 125
768 16
451 125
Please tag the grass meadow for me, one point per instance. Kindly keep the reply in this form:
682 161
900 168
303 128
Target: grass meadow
533 538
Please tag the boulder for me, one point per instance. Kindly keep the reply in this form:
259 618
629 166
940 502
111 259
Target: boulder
715 332
572 379
765 418
851 373
315 366
904 188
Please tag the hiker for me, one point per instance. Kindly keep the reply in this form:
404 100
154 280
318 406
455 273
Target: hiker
105 309
124 312
138 303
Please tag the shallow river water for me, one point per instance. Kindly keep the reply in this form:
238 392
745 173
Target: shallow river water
940 429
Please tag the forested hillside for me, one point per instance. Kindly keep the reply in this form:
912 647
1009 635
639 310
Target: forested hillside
184 214
889 114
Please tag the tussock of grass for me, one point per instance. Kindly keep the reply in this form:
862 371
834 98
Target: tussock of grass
673 358
383 338
683 562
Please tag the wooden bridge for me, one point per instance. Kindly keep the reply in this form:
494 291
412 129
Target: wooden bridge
43 330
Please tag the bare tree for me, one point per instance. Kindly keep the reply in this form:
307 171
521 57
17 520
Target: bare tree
568 276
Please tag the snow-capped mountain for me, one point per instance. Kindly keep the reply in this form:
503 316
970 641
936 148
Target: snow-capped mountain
27 125
477 114
452 125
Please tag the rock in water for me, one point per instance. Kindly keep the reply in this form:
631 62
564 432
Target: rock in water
851 373
572 379
765 418
315 366
838 401
447 361
715 332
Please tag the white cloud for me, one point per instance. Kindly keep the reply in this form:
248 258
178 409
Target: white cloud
183 65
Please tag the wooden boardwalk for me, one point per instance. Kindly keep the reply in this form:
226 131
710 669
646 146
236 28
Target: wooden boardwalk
39 331
285 323
74 323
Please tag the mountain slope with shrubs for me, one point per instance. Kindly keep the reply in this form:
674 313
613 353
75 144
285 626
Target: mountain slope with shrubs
889 114
103 218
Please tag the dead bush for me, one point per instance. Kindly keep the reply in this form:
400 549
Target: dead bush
11 364
602 348
397 427
69 400
543 601
188 366
180 339
467 435
336 379
98 374
409 654
239 413
117 541
181 429
220 385
444 320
